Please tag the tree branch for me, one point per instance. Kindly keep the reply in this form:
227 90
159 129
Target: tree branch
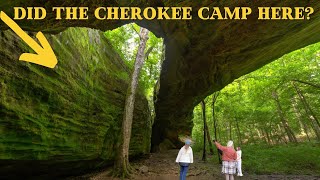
308 83
148 52
215 96
132 26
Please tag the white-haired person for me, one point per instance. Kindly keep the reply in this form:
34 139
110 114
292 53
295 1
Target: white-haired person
229 157
185 158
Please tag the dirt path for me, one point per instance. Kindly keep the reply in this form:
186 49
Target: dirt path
162 166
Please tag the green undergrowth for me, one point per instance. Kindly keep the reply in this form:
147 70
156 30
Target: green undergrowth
302 158
294 159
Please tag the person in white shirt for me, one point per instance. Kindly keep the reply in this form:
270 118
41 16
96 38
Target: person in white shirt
185 158
239 161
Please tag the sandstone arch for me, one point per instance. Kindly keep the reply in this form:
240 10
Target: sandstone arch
201 57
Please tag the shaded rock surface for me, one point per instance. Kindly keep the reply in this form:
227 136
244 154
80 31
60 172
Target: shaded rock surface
65 120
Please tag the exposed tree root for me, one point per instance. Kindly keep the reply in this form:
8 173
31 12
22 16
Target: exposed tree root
124 171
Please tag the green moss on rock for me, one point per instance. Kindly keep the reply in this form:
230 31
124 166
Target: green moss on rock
53 118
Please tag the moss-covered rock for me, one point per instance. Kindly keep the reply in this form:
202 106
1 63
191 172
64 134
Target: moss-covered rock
67 119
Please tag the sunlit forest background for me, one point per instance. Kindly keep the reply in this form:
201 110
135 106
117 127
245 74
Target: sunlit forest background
272 113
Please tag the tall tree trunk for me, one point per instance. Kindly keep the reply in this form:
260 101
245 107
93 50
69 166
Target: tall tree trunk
215 124
251 134
214 99
122 167
268 136
219 136
209 139
258 132
237 121
204 154
263 133
298 114
289 132
282 135
274 139
238 131
314 120
205 124
230 130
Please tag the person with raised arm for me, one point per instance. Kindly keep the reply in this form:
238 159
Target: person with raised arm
229 157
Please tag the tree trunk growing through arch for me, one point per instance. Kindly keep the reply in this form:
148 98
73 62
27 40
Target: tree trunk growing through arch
122 167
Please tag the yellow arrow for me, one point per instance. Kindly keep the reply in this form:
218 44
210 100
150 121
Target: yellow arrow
45 55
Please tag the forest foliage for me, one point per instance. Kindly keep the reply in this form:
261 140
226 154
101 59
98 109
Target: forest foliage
272 113
263 106
125 40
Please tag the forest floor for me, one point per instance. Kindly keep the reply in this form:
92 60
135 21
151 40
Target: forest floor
162 166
